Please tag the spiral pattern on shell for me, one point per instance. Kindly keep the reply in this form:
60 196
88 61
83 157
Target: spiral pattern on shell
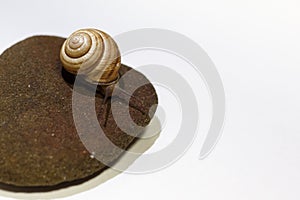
92 53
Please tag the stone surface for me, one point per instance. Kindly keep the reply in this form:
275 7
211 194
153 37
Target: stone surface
40 147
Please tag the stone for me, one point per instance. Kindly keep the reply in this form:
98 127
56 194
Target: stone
40 148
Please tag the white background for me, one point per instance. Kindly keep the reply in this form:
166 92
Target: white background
255 46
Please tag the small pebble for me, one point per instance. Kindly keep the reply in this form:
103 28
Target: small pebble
92 156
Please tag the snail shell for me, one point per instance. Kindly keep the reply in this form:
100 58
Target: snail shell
92 53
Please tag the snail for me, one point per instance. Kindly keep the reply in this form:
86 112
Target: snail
95 55
92 53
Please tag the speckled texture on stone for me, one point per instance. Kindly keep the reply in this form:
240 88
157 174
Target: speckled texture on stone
39 145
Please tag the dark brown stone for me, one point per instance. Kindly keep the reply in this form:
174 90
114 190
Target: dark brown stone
40 147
